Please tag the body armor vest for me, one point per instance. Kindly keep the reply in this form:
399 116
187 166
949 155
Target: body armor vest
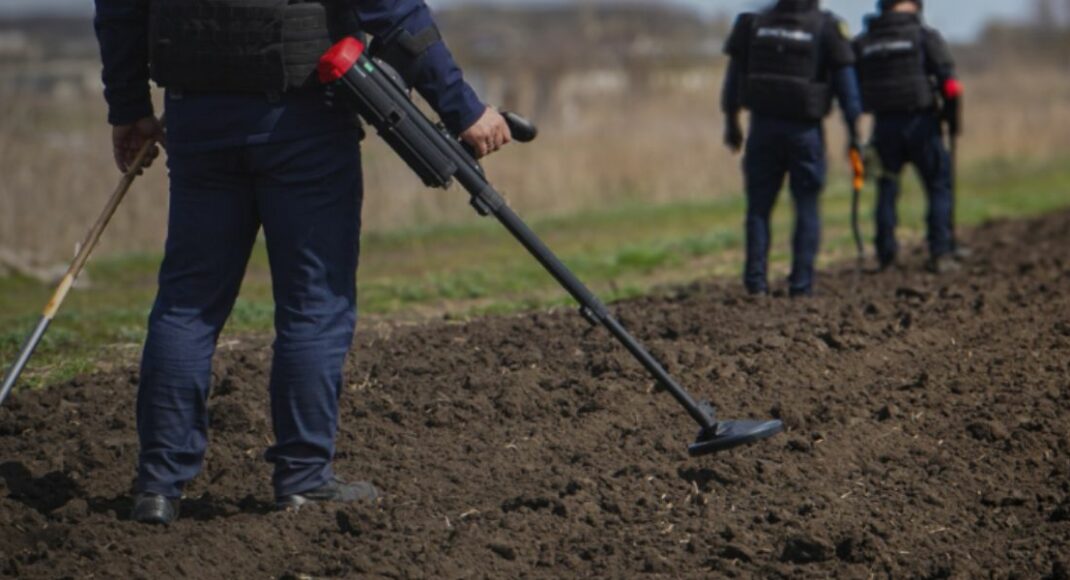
261 46
892 68
784 66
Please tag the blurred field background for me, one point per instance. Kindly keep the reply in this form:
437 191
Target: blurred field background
629 179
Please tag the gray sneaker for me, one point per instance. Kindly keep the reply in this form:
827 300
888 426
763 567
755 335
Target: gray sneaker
962 253
334 491
945 264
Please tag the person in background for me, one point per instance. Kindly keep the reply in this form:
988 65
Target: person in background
253 142
908 82
786 66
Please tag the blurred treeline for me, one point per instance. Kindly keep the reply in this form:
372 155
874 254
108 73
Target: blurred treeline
627 96
1043 38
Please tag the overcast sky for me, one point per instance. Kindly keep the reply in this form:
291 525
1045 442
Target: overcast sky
960 19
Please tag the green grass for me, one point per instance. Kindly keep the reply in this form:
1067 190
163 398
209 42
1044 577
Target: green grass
476 268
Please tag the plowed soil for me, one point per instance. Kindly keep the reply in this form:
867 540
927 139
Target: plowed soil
929 438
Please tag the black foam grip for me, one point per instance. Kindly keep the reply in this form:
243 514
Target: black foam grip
523 130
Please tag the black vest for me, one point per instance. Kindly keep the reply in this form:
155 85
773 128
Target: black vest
784 66
891 67
260 46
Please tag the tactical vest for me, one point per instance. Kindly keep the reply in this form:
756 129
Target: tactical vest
255 46
784 66
892 69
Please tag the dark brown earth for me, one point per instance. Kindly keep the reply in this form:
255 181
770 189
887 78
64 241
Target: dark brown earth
929 438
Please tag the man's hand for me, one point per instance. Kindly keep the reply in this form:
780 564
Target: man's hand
854 142
127 141
489 134
733 133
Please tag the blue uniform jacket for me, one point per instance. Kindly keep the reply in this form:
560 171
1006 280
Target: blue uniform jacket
208 121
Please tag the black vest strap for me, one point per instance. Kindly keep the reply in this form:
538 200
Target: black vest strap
404 50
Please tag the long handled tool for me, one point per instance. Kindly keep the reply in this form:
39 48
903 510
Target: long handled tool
952 112
439 158
858 181
75 269
954 153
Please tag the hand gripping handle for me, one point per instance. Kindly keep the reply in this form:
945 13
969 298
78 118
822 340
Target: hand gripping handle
523 130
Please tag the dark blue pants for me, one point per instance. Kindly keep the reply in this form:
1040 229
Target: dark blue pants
914 138
776 148
307 195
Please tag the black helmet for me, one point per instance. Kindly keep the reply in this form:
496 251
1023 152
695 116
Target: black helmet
887 5
798 4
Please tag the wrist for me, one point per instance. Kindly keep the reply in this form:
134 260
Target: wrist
466 117
130 113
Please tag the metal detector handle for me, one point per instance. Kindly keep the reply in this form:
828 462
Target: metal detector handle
522 129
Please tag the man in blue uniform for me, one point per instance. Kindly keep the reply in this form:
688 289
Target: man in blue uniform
252 142
786 65
907 74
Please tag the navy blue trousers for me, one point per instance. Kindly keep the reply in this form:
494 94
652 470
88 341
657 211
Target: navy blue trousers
776 148
917 139
307 195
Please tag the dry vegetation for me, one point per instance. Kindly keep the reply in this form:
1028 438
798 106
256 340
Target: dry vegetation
655 144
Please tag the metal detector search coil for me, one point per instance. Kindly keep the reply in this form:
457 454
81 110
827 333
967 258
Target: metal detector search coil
439 159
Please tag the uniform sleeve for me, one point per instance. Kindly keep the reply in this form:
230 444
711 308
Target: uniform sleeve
837 43
938 60
848 94
439 80
732 91
856 48
739 39
122 28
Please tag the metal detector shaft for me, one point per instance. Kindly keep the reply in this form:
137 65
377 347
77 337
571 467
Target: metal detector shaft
439 159
90 242
488 200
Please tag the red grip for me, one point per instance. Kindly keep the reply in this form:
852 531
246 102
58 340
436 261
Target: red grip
337 61
952 89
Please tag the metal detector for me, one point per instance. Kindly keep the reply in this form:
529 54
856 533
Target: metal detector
439 158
